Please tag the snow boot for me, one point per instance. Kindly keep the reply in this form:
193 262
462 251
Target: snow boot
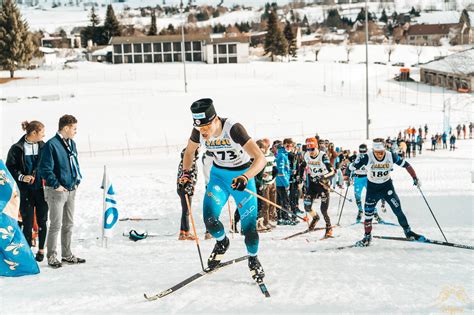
365 241
218 253
256 269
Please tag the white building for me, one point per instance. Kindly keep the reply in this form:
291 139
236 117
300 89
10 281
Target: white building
168 48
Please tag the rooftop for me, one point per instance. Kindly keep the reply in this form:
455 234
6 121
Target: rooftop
459 63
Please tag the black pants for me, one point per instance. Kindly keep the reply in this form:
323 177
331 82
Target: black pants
29 201
294 197
314 191
283 201
386 192
184 211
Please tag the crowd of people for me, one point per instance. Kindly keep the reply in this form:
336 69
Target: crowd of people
286 178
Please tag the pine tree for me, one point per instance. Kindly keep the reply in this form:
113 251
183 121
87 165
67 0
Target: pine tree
111 24
16 45
361 16
275 42
94 18
291 39
383 17
333 19
153 30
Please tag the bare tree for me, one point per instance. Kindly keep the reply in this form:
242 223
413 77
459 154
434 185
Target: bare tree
419 51
389 49
349 49
316 49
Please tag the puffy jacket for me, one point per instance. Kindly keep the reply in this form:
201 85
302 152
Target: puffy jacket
55 165
283 167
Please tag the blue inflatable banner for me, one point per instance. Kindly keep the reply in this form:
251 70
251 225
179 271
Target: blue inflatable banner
16 257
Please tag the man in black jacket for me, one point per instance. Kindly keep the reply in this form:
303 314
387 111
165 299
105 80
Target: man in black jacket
22 162
59 167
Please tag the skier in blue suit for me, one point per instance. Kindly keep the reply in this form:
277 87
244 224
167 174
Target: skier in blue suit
237 160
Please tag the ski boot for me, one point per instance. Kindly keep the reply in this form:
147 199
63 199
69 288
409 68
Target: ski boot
365 241
328 233
413 236
182 235
256 269
378 218
313 223
217 253
359 217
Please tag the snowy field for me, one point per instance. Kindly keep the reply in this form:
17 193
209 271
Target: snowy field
144 106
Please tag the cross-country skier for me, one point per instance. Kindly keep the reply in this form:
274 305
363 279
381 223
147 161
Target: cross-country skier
360 182
379 163
231 174
319 170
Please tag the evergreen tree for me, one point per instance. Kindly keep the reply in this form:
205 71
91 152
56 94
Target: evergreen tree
290 39
94 18
275 42
395 17
413 11
465 18
361 16
383 17
16 45
62 33
305 21
153 30
111 24
333 19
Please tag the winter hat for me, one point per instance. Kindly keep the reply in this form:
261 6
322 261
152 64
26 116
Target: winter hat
203 112
363 148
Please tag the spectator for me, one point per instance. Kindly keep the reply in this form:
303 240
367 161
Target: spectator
464 130
419 142
59 167
283 185
444 137
433 143
22 162
452 143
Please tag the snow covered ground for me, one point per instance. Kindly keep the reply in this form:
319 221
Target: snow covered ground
145 106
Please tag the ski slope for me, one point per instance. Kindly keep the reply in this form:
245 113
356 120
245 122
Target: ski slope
388 277
145 106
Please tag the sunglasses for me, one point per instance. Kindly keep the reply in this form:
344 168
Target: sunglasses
204 128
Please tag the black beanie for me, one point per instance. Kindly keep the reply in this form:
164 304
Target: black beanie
203 112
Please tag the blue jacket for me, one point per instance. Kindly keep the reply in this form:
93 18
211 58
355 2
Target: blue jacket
56 165
283 167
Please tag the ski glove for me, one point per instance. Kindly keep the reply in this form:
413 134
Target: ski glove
186 183
240 183
416 182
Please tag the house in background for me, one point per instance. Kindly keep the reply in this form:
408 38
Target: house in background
168 48
455 72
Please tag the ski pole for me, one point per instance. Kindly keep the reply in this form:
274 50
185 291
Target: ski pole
339 205
275 205
230 218
332 190
194 229
434 217
344 201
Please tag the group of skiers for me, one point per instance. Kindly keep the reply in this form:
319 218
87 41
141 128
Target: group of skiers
267 181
